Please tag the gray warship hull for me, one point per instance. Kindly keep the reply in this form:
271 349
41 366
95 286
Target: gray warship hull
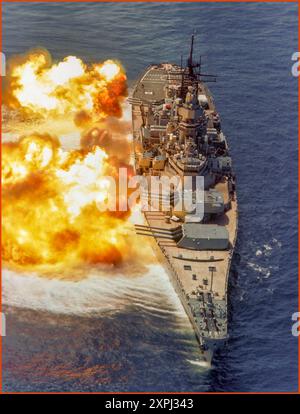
177 132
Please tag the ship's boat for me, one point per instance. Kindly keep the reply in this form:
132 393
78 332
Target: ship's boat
177 133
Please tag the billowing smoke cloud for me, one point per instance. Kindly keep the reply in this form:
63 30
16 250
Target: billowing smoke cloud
50 199
37 86
51 192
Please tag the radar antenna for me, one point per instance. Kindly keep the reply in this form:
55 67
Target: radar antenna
191 66
190 59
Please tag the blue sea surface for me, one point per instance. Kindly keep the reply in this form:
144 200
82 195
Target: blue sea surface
144 345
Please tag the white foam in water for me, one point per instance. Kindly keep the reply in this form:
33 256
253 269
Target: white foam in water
259 269
267 247
277 242
97 293
202 364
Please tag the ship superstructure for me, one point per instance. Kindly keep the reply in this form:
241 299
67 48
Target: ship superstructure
177 132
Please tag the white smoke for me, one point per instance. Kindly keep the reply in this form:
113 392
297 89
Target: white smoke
97 293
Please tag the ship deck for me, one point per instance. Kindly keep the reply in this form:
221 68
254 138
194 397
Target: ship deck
186 263
200 277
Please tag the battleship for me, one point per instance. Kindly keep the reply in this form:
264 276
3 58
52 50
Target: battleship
177 132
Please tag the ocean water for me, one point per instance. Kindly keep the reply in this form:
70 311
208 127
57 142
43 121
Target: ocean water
131 334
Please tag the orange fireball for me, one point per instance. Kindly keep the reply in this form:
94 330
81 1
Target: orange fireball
50 206
52 196
38 87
